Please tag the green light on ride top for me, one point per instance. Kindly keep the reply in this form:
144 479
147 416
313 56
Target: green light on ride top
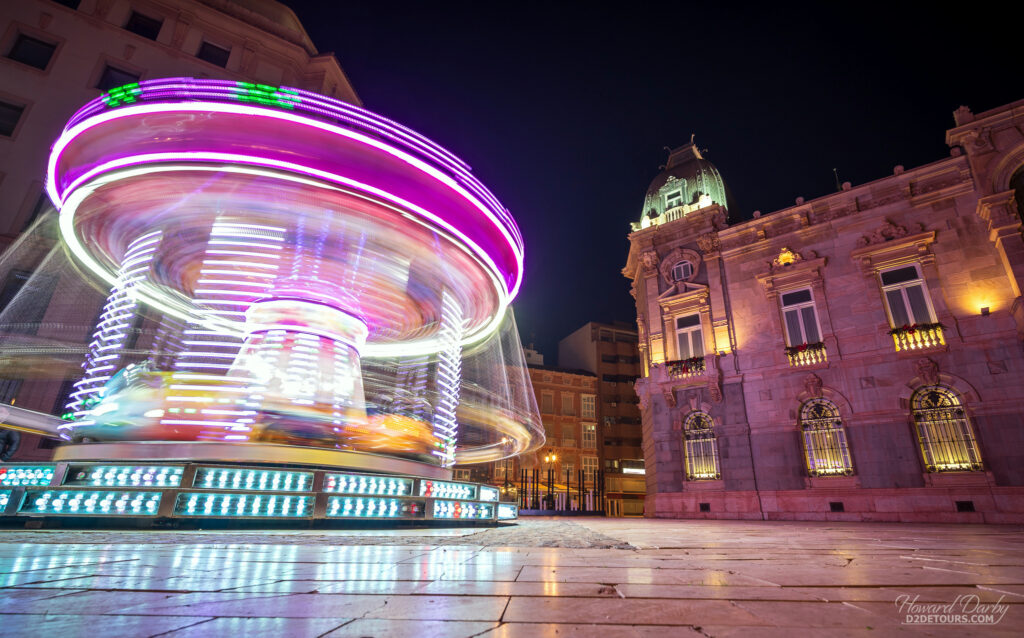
267 95
122 95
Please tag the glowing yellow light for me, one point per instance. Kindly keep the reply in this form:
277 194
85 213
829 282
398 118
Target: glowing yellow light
786 257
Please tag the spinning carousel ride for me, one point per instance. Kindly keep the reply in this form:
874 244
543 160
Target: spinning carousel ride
331 290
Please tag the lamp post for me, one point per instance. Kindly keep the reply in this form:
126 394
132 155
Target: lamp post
550 459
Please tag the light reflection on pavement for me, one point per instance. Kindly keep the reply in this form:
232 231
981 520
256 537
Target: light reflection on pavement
712 578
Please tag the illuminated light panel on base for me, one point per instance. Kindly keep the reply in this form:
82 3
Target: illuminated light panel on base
124 475
89 502
507 511
5 497
440 489
22 475
370 507
489 494
213 504
253 480
463 511
367 484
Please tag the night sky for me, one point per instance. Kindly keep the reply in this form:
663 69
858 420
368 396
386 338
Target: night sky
563 111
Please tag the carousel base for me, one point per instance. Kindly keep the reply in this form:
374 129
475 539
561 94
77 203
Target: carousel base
258 453
97 493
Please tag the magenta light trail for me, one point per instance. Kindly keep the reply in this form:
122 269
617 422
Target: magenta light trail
289 240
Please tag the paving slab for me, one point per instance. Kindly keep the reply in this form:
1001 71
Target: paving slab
542 577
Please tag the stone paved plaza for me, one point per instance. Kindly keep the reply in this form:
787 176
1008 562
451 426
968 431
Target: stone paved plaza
542 577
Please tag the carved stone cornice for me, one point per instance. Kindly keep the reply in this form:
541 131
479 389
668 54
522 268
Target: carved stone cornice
696 297
976 141
875 257
805 272
886 232
999 211
649 261
709 243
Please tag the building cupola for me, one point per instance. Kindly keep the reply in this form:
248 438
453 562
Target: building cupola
687 184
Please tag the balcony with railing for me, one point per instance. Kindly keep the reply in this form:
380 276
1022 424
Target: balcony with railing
806 354
686 368
918 336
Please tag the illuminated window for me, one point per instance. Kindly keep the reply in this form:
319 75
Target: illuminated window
800 317
825 448
682 271
504 469
113 77
462 475
944 432
701 448
673 199
143 25
32 51
9 116
213 54
589 406
590 435
589 468
569 469
689 337
906 297
567 404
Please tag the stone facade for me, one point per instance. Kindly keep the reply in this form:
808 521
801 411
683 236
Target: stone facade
567 400
853 357
264 41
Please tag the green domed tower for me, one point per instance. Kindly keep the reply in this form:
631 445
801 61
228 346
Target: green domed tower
689 183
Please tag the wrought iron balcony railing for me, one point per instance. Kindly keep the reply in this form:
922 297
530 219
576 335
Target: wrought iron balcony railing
686 368
806 354
918 336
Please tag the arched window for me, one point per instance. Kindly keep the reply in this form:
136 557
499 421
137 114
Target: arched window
701 447
825 448
682 271
945 434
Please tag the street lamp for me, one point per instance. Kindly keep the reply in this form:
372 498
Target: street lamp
550 459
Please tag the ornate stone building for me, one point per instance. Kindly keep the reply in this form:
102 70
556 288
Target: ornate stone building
853 357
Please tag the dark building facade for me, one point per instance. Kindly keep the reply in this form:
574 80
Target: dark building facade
609 351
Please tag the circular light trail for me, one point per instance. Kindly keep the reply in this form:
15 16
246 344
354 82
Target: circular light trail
291 237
